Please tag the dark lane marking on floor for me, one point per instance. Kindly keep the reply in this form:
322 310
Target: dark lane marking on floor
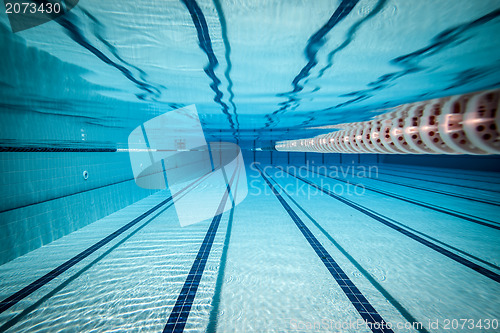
32 287
214 312
358 266
384 220
60 287
432 239
454 213
463 172
442 176
180 313
364 308
488 202
438 182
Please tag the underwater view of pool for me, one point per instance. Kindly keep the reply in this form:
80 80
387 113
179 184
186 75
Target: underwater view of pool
250 166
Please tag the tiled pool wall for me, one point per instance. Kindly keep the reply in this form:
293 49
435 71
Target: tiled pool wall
45 195
489 163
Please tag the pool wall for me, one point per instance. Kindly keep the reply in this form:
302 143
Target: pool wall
45 195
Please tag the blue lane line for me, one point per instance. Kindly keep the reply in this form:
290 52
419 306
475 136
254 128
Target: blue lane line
17 318
437 182
214 312
147 144
454 213
26 291
385 220
151 155
180 313
373 281
488 202
210 154
164 172
491 179
364 308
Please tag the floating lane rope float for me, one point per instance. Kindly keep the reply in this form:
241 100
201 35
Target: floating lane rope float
461 124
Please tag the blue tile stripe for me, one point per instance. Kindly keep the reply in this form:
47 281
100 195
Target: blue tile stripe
415 323
180 313
164 172
360 303
20 315
385 220
214 312
147 144
210 154
438 182
449 194
460 215
28 290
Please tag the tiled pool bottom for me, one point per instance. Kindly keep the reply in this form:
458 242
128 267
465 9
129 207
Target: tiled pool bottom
303 253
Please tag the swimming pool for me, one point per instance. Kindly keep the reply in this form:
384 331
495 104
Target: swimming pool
143 186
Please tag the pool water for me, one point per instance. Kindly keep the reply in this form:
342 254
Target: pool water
262 274
294 241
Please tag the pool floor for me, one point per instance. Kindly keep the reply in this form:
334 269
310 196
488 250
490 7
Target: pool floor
307 250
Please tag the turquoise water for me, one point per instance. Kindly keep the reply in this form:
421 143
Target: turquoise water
295 242
263 65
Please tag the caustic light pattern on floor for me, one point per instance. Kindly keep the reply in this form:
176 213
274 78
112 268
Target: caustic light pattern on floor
399 250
